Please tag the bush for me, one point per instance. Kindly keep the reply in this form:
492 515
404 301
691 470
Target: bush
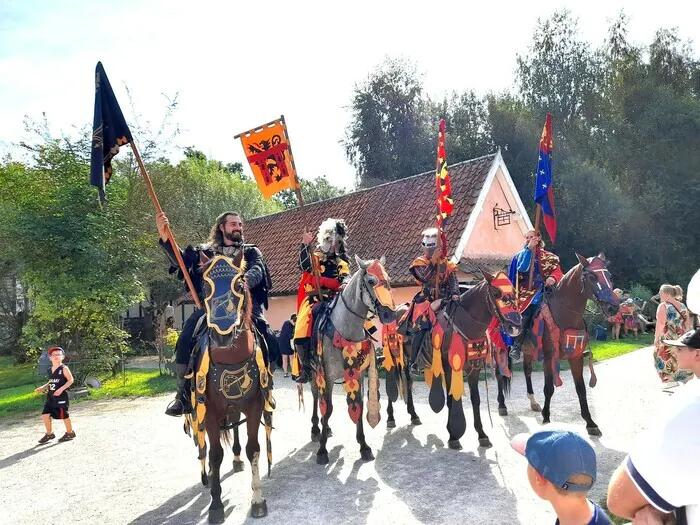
640 291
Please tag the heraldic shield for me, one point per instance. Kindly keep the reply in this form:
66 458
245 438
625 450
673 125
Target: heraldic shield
224 302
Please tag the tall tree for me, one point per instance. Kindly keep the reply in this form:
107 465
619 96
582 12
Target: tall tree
387 137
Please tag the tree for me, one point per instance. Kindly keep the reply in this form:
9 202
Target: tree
318 189
387 138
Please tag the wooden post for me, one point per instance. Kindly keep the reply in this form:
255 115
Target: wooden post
534 250
168 230
300 199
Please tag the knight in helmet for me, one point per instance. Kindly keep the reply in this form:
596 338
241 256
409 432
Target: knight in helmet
429 269
325 269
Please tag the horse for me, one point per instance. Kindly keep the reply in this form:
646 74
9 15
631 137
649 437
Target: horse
559 332
230 377
459 341
342 350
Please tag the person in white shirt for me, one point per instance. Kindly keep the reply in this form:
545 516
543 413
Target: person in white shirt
659 480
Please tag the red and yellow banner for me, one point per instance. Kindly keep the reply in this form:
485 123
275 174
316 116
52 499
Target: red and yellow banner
270 157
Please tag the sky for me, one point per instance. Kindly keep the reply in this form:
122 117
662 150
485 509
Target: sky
237 65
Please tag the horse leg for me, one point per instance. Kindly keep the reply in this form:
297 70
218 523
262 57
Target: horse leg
577 373
548 382
453 441
390 421
473 382
237 463
415 420
322 454
258 508
315 430
216 456
365 450
527 368
502 408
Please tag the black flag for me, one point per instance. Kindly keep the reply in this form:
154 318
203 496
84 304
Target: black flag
109 132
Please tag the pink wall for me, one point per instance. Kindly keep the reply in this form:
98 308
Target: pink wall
485 241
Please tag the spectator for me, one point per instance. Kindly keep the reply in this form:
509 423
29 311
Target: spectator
661 475
562 469
616 320
672 320
629 317
284 341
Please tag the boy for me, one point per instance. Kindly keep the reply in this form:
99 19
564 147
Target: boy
561 470
56 405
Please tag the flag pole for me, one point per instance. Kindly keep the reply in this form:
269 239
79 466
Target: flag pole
168 230
302 210
534 250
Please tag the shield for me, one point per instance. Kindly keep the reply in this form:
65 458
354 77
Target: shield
224 303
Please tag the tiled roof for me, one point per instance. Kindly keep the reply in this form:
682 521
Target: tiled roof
383 220
491 265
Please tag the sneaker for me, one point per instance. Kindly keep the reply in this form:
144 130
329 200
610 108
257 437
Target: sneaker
68 436
286 374
47 438
668 385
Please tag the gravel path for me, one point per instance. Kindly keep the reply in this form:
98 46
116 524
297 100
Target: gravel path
131 464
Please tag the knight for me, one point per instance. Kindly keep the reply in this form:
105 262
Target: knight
547 272
428 270
226 238
324 269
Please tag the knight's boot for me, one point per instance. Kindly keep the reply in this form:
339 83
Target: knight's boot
516 351
418 359
180 404
304 353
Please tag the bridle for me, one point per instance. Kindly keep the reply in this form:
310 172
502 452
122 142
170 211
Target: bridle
364 289
493 310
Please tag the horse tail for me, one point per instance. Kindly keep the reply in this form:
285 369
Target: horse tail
225 436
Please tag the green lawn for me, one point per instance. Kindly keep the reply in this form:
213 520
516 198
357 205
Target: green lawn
21 398
12 375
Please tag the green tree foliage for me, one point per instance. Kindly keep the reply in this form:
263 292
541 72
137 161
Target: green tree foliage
318 189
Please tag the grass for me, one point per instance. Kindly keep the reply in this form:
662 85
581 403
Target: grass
12 375
603 504
136 383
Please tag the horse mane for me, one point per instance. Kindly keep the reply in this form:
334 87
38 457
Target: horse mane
569 277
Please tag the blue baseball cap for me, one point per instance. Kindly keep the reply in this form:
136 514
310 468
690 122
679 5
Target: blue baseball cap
558 455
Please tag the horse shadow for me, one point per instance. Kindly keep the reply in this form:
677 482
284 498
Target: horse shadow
189 506
450 483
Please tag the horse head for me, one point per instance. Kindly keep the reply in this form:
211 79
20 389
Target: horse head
376 290
597 283
226 295
501 299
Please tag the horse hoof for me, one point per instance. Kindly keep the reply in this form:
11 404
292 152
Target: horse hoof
536 407
367 455
484 443
594 431
217 515
258 510
416 421
545 421
322 458
237 466
329 432
454 445
315 436
205 479
391 424
502 411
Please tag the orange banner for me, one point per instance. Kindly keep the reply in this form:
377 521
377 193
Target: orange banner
270 157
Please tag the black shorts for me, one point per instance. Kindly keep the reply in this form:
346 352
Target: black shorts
56 407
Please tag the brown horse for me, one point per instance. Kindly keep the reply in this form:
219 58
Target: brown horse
231 378
463 323
590 279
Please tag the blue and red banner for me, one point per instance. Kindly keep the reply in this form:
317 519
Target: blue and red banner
544 188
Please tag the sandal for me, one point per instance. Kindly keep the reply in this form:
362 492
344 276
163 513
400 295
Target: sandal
47 438
286 374
68 436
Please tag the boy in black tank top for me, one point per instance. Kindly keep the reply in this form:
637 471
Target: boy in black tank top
56 406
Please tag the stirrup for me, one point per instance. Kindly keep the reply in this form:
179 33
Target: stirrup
176 408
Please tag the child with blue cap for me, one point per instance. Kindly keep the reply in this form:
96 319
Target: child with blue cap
561 470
